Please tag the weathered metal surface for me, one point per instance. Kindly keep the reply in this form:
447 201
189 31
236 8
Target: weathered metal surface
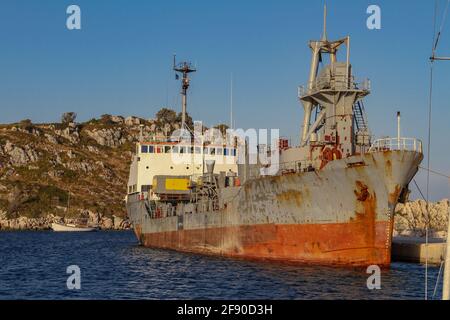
340 215
338 244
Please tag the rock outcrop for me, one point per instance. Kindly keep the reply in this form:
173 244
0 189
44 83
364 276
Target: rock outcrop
107 137
411 218
133 121
19 155
71 133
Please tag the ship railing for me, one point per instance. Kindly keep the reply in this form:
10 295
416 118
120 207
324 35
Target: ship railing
159 139
295 166
334 83
397 144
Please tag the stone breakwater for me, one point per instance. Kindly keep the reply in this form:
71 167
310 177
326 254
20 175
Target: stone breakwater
44 223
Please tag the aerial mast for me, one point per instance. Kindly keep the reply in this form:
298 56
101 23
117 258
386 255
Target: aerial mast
184 68
319 48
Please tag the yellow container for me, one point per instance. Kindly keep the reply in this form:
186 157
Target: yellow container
171 185
177 184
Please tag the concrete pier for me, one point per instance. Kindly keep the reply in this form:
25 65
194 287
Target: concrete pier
414 250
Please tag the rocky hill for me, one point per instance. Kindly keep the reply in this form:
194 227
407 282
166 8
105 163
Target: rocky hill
65 170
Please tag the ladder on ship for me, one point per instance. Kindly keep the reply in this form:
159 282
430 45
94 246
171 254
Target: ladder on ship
360 117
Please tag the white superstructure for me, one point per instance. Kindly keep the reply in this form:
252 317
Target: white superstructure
177 159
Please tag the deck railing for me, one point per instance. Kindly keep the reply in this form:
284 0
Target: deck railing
334 83
295 166
392 144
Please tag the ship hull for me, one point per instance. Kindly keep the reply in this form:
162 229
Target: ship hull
341 215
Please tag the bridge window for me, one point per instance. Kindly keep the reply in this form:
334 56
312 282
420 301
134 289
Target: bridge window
212 151
159 150
198 150
151 149
167 149
144 149
219 151
233 152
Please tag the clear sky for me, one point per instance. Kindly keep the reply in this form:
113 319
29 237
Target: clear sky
120 62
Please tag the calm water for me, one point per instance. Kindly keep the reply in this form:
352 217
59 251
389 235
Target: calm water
113 266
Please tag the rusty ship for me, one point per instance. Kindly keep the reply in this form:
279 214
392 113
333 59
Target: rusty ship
331 200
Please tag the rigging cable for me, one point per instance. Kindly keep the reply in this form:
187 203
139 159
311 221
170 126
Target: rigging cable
430 108
430 105
438 277
436 172
420 191
444 18
442 262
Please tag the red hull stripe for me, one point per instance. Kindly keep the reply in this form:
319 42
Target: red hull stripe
335 244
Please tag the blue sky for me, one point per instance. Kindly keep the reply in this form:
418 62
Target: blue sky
120 62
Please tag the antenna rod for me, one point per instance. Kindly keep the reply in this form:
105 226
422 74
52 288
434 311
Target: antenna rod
440 58
184 68
324 36
184 100
348 60
231 103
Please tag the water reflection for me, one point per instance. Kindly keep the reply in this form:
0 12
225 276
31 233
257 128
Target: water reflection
113 266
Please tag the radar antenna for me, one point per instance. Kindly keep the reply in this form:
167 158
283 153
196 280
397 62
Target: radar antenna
184 68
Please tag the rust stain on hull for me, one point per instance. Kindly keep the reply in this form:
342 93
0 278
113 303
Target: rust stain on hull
393 197
366 212
332 244
292 196
388 168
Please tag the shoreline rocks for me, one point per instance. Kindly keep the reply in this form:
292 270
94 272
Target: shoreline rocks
411 218
44 223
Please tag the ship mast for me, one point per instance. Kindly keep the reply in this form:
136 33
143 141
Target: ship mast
318 48
184 68
332 94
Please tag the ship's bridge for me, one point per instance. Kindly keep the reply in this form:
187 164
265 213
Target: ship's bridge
177 159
